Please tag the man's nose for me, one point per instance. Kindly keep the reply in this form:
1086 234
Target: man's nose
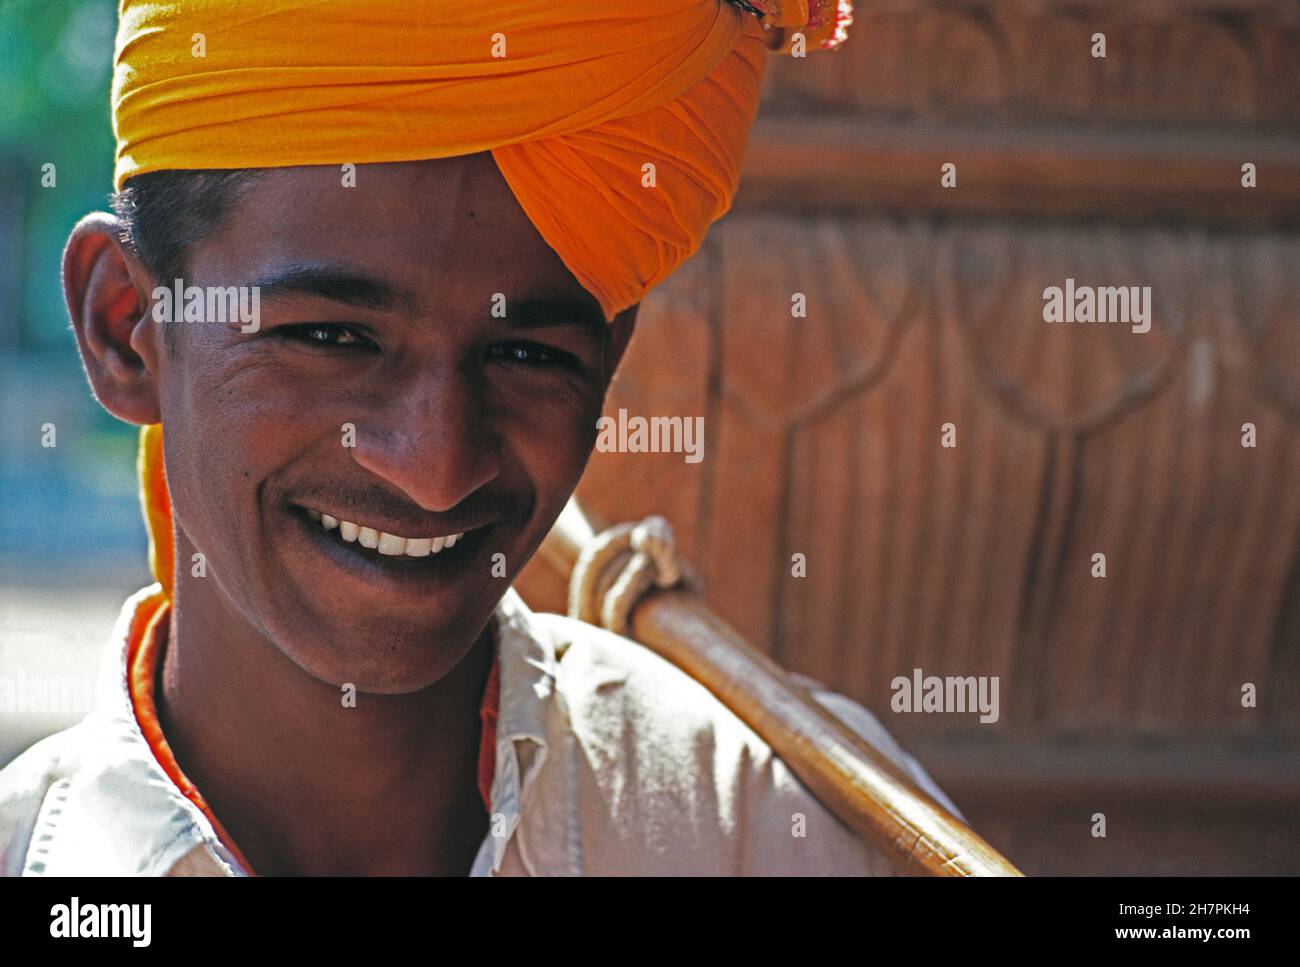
432 441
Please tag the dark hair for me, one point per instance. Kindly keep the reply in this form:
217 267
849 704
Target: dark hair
164 213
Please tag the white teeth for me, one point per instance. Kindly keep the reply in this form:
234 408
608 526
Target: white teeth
387 544
391 545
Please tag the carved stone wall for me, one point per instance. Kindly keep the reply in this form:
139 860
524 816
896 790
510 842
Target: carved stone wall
1119 695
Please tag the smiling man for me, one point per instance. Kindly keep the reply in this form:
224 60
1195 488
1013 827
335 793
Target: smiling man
449 225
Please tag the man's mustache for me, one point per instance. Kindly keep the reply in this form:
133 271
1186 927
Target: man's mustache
368 500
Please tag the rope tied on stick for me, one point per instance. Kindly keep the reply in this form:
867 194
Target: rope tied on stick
619 567
621 570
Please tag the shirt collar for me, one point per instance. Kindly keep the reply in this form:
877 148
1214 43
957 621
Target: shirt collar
528 673
121 813
116 812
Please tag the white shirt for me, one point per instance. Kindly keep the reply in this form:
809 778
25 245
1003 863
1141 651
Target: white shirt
609 760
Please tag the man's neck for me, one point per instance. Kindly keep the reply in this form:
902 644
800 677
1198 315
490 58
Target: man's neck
307 786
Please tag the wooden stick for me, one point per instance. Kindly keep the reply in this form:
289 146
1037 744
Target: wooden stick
851 777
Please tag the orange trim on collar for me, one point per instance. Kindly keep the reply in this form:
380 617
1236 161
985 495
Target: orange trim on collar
487 752
143 652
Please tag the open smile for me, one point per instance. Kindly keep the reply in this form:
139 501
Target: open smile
410 563
390 545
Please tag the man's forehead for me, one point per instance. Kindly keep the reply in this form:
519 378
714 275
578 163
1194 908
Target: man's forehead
430 199
395 236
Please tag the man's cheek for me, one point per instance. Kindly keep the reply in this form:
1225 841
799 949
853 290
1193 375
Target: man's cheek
572 450
219 492
219 466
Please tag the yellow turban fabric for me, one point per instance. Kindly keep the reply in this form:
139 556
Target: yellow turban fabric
574 98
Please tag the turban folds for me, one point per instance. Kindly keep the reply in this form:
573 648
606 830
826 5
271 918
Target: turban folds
572 97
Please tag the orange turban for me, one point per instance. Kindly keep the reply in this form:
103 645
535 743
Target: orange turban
574 98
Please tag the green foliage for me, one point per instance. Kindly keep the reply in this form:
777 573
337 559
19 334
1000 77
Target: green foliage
56 61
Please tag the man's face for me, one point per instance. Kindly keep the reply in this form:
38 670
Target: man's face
376 314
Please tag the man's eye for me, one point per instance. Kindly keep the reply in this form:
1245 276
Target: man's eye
328 335
530 354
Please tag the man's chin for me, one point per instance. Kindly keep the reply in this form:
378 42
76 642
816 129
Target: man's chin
384 654
349 616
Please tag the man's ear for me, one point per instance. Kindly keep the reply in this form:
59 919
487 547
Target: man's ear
108 296
620 333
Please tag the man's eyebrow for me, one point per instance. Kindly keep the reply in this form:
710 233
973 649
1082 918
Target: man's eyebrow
336 284
349 287
539 312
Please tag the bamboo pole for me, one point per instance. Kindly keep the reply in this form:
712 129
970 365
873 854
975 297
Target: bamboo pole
852 778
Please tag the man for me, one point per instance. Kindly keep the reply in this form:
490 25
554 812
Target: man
443 257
